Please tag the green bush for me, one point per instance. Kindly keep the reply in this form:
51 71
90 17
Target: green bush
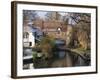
34 55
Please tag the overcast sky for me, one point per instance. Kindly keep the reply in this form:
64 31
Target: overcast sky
43 13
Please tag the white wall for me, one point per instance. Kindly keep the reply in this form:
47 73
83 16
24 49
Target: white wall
5 43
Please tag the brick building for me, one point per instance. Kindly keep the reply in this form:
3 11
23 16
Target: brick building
54 28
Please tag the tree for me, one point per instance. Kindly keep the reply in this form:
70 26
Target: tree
29 15
78 17
81 29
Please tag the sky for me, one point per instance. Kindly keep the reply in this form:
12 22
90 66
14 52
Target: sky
43 13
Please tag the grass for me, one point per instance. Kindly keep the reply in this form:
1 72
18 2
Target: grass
80 50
